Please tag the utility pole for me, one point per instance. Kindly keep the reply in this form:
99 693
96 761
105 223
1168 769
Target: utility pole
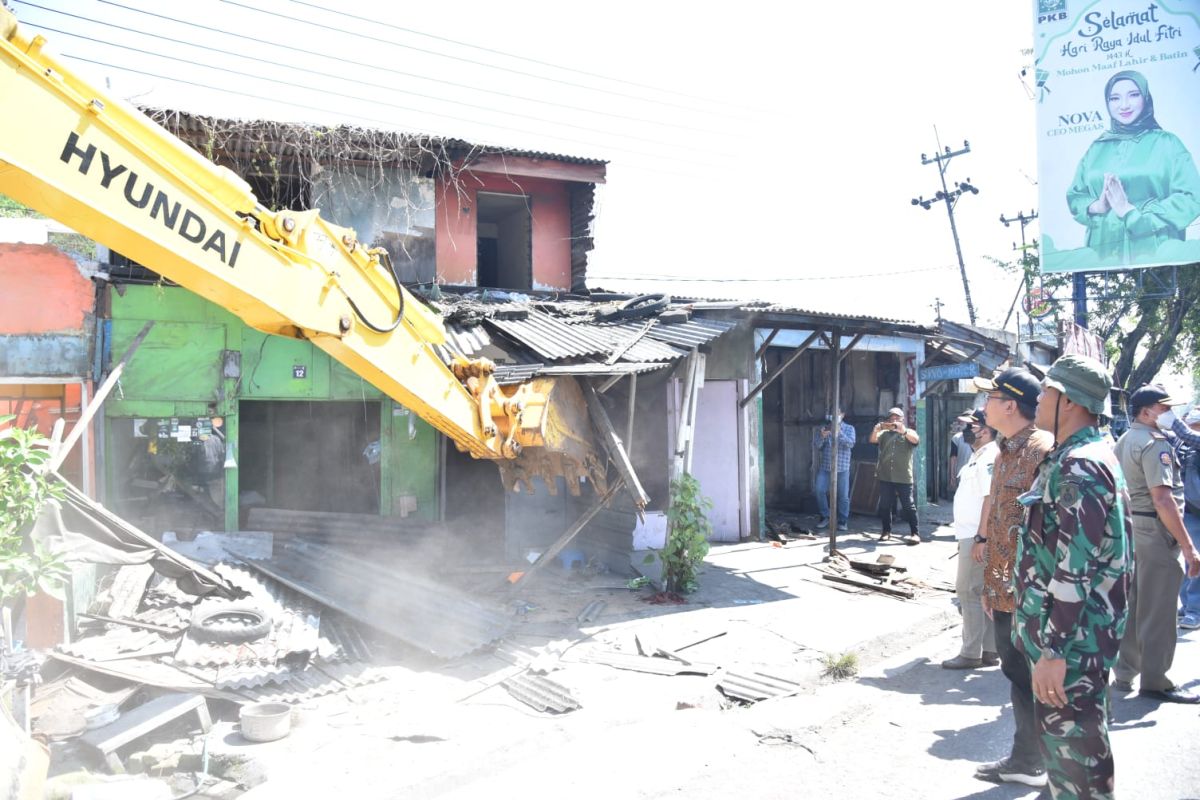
1079 295
1024 220
951 198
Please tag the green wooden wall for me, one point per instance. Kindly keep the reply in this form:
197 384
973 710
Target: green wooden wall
180 371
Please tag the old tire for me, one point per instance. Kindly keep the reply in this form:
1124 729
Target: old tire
229 623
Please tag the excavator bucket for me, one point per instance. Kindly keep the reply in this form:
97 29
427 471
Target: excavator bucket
557 432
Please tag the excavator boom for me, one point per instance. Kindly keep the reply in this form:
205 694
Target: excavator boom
109 172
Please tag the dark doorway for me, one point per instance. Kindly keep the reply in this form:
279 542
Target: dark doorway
505 241
309 456
474 503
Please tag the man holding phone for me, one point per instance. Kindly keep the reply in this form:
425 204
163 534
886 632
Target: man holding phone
894 471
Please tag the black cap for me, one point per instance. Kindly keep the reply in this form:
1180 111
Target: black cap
1148 395
1016 383
974 417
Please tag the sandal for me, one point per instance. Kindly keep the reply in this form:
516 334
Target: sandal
885 536
912 540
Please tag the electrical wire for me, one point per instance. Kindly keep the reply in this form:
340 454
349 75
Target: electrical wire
345 114
452 57
378 23
361 83
790 279
497 126
524 98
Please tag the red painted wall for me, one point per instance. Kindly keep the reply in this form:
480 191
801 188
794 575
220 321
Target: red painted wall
456 227
43 291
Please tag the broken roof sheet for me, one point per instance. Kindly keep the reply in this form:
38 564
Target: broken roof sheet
387 597
552 338
688 335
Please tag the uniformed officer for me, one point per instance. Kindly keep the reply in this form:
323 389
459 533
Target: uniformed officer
1155 479
1072 579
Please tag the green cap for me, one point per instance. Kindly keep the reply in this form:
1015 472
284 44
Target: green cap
1083 380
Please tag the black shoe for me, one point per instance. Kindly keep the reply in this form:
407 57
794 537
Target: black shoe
1172 695
1122 686
1007 771
990 659
962 662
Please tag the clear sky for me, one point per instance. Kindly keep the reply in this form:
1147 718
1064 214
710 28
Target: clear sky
771 149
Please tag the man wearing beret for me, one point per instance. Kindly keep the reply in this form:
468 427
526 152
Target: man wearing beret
1073 579
1155 479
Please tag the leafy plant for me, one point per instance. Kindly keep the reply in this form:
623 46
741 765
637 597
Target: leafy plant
25 567
840 667
688 529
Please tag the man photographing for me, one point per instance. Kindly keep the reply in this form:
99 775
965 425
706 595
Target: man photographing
894 470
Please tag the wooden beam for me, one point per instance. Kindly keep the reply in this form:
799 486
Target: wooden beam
895 591
929 386
629 414
101 394
767 381
614 446
609 382
571 532
630 342
762 348
853 342
937 348
525 167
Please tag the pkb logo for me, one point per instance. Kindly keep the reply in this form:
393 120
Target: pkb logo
1051 10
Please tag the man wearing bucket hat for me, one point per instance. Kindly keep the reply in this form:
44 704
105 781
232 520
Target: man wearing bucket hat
1155 478
1010 406
1072 579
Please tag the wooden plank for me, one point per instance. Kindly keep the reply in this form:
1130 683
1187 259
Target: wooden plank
767 381
144 719
562 541
101 394
614 446
895 591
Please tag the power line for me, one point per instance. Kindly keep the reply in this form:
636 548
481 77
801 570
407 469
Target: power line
448 56
790 279
367 65
312 107
350 96
377 22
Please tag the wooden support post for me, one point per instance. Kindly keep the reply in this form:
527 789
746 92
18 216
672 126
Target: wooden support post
613 445
835 429
629 416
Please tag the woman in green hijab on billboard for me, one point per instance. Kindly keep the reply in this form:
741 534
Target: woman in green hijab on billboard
1137 185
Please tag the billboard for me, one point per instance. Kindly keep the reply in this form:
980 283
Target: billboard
1118 125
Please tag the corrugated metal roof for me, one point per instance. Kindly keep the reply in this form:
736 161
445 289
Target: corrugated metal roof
620 368
551 338
387 597
541 693
688 335
755 686
782 309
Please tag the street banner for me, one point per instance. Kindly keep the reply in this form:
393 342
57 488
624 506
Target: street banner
1118 125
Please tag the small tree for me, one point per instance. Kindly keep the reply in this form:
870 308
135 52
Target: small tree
24 489
688 529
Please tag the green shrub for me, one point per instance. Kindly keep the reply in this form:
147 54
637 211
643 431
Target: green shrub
24 489
688 529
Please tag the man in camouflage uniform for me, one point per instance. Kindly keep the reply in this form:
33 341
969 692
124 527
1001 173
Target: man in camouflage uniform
1155 478
1074 571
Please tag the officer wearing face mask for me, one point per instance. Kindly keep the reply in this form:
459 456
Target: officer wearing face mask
1152 470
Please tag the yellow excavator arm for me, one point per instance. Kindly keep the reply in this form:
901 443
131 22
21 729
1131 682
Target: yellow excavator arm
110 173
